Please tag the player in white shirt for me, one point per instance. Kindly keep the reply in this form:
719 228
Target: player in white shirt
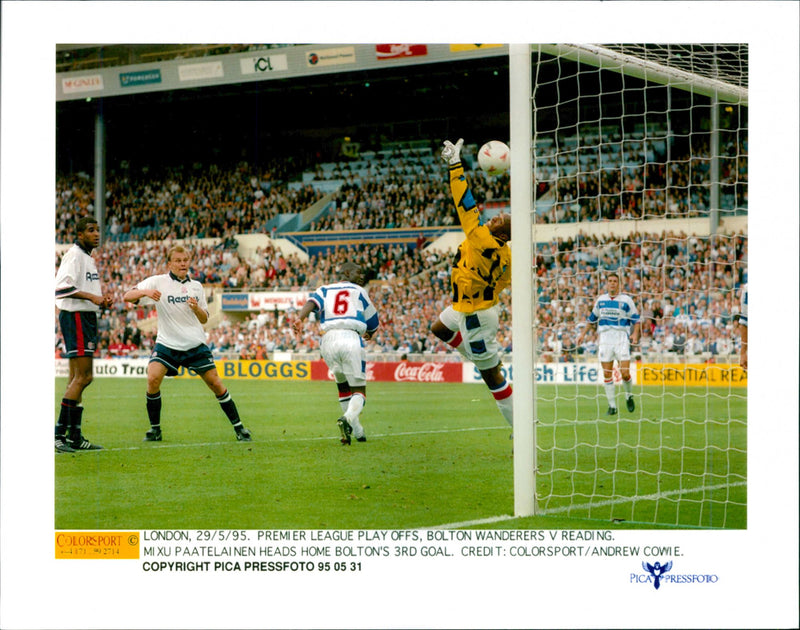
181 340
743 328
347 317
79 298
617 321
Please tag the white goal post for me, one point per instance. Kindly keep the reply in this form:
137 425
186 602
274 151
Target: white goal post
522 277
565 148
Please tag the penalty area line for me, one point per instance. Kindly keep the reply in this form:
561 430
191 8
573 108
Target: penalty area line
161 445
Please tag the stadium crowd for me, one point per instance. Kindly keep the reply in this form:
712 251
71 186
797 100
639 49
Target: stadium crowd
206 203
685 285
405 190
686 288
642 184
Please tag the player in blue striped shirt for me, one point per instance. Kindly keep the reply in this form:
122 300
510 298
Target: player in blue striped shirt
617 321
346 316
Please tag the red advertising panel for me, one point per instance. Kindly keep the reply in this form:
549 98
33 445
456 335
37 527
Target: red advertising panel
399 51
319 371
398 372
406 371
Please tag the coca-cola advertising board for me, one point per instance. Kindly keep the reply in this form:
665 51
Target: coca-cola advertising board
400 372
398 51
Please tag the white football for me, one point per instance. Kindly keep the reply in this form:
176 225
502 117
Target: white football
493 157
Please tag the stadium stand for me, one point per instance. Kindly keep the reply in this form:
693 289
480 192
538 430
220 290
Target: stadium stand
390 210
411 284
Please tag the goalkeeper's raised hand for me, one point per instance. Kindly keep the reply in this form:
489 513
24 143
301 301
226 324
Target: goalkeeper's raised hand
451 153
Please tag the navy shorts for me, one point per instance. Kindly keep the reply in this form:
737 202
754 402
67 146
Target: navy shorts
198 359
79 329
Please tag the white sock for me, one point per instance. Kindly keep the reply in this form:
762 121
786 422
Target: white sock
358 430
609 387
504 398
506 407
628 387
354 407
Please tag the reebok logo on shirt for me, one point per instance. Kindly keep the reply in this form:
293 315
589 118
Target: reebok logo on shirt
171 299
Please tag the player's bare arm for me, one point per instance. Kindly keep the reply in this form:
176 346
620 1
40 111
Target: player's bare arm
134 295
582 334
99 300
636 333
743 353
368 334
304 312
201 315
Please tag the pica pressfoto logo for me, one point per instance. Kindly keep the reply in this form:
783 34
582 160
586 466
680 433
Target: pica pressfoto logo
659 573
657 570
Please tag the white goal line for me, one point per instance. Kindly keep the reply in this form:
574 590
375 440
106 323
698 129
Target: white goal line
645 497
561 510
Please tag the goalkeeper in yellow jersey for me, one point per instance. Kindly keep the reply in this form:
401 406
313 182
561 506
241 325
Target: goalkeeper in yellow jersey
481 270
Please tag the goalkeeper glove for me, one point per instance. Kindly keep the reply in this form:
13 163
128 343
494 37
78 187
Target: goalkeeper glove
451 153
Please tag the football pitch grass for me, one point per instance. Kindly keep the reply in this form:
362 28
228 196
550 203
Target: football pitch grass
437 455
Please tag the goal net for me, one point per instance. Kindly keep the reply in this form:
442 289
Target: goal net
640 167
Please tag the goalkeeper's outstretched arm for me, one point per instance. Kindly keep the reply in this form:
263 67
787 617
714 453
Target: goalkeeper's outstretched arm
466 206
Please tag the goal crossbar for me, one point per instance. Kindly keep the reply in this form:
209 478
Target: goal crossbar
649 70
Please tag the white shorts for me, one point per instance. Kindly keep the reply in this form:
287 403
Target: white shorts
479 334
343 351
613 344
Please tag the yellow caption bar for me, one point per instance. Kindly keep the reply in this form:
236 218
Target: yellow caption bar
97 545
692 374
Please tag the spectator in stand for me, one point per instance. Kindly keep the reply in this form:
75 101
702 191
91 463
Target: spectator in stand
679 340
694 345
